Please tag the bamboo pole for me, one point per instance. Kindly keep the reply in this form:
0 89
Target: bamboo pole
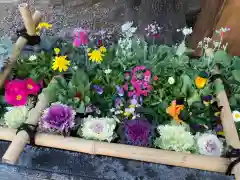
208 163
30 23
21 139
229 127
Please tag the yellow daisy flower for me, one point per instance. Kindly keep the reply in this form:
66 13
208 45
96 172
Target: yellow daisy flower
60 63
96 56
102 49
57 51
42 25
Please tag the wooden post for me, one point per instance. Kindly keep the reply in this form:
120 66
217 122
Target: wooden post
229 127
30 25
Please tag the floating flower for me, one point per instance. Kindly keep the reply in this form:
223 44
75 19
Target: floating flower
174 137
98 128
236 116
174 110
96 56
98 89
16 92
107 71
15 117
171 80
58 118
57 51
61 63
138 132
102 49
201 80
32 87
209 144
32 58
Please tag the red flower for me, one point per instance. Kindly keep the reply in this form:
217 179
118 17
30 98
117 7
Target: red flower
78 95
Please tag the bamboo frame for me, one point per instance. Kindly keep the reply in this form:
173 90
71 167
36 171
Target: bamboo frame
30 22
215 164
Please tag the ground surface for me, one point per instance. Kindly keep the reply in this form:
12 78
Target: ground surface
51 164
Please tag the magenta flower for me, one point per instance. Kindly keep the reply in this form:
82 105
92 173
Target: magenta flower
80 37
138 132
58 118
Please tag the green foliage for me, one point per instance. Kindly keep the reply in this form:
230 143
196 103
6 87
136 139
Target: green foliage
75 92
39 69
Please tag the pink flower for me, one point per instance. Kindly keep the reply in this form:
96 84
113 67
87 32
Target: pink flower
32 87
139 68
16 92
81 38
16 98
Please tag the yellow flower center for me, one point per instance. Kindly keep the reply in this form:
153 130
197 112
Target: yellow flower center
237 116
29 86
18 97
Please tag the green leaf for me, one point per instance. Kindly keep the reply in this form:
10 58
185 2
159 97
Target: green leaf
61 82
87 100
81 108
222 58
236 75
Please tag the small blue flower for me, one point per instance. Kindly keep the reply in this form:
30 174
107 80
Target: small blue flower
120 91
98 89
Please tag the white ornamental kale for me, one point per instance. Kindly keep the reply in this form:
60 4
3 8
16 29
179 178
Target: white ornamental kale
6 47
98 128
209 144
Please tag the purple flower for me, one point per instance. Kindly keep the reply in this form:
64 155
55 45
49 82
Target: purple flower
58 118
138 132
98 89
120 91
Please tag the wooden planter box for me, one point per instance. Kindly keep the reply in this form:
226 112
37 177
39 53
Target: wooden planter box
215 164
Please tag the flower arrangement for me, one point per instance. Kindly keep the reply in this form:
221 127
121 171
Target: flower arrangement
127 91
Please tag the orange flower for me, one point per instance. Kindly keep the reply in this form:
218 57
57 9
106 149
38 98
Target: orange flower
174 110
201 80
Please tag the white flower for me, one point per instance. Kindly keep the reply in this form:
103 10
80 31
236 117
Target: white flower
75 67
125 27
187 31
200 44
98 128
32 58
171 80
207 39
107 71
209 144
16 116
236 116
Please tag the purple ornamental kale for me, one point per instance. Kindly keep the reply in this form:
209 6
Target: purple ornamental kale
58 118
138 132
